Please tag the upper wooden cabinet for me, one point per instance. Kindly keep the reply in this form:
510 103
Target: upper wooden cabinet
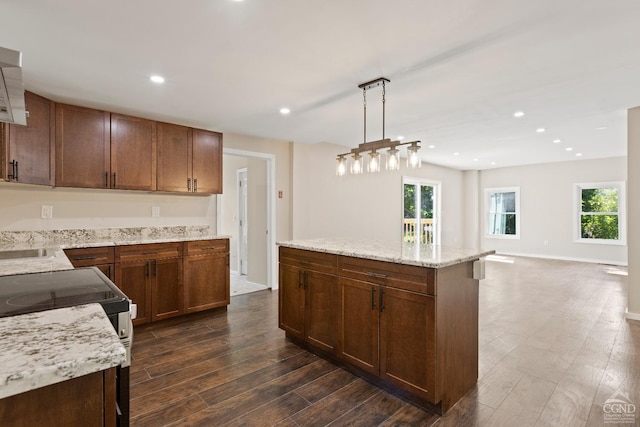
207 162
189 160
82 147
133 153
29 149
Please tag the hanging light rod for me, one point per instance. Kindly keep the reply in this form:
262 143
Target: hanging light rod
372 147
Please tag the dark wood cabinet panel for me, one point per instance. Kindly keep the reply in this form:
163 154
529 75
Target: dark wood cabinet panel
321 309
133 153
134 280
148 251
88 400
407 341
359 324
166 292
174 158
82 147
206 282
30 149
292 299
86 257
207 162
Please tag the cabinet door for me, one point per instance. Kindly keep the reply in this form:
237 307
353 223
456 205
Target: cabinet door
207 162
407 341
30 147
82 147
291 294
321 309
358 324
206 282
174 158
167 298
134 279
133 153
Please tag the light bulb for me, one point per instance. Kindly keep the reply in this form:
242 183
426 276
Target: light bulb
341 167
374 162
393 159
356 166
413 158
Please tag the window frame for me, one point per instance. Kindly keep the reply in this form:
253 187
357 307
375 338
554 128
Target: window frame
487 209
622 210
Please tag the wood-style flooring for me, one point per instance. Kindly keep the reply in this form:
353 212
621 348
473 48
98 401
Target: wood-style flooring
554 346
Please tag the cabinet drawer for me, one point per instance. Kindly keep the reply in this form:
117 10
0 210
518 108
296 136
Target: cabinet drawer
84 257
317 261
407 277
204 247
148 251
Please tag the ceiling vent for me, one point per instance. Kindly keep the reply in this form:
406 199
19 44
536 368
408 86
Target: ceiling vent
12 108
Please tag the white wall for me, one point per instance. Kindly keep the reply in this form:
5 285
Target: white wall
547 208
633 207
20 208
364 206
257 220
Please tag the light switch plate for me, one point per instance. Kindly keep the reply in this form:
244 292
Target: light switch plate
46 212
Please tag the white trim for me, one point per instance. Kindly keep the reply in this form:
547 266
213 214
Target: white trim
622 210
631 316
486 209
272 261
239 230
564 258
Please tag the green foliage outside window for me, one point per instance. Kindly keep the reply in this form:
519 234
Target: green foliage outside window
599 218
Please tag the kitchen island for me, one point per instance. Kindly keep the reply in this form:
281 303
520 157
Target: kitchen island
402 315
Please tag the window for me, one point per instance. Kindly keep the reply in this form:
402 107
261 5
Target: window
503 212
600 208
420 208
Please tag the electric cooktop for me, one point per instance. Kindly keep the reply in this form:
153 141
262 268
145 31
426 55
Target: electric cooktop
27 293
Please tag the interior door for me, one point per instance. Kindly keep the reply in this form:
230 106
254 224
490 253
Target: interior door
243 185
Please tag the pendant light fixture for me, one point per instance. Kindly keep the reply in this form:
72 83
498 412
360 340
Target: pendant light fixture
375 148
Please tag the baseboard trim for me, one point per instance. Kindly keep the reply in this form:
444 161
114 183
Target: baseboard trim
563 258
631 316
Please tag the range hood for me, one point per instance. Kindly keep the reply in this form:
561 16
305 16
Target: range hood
12 108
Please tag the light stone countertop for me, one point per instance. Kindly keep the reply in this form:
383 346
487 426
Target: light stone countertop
48 347
432 256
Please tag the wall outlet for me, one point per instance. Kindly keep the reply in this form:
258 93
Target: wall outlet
46 212
155 211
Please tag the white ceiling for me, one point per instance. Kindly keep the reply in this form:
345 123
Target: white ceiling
458 69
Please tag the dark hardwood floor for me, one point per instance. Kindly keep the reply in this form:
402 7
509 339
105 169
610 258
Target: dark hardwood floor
554 346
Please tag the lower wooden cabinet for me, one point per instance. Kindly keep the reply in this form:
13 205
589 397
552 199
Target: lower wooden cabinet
89 400
206 276
99 257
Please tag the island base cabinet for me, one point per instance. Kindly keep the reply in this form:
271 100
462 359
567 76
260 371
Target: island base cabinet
88 401
291 294
407 341
359 324
320 310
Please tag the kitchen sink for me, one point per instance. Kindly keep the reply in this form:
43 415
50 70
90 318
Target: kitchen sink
23 253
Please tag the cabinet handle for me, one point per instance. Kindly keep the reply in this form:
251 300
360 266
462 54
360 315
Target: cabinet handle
195 184
155 268
85 258
209 247
381 300
114 180
106 179
12 175
300 279
373 298
188 184
378 275
150 253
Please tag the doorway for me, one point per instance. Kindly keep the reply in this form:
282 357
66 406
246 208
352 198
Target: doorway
243 222
420 211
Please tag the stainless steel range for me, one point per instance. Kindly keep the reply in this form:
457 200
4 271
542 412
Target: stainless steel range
28 293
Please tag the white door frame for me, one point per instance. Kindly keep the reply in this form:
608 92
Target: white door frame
242 223
272 261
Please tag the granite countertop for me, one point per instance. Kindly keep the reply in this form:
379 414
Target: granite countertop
48 347
56 241
433 256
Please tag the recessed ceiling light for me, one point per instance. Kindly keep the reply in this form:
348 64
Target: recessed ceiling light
569 149
578 154
493 163
432 146
456 154
557 141
602 128
284 111
400 138
518 114
156 79
475 160
540 130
